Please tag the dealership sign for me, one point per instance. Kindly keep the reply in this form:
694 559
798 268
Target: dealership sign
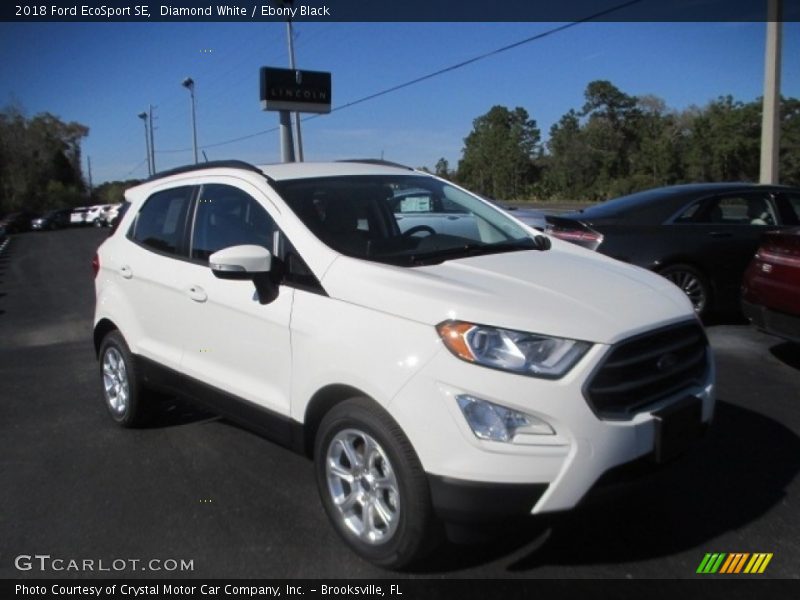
299 91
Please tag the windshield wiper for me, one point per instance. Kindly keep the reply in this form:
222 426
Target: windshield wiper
539 242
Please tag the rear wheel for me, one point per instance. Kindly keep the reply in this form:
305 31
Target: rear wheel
693 283
372 485
122 390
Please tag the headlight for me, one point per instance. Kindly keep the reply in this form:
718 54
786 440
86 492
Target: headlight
516 351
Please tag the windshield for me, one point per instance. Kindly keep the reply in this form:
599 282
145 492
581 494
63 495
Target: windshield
407 220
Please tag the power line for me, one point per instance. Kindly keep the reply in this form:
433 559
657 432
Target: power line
134 169
449 69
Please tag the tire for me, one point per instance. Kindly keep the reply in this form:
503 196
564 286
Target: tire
693 283
389 519
122 389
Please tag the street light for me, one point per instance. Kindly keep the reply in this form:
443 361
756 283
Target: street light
188 83
143 117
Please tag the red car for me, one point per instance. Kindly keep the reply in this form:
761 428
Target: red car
771 287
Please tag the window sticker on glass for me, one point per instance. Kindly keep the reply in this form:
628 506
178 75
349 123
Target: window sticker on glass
415 204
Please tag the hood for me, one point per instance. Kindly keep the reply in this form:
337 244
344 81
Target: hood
566 291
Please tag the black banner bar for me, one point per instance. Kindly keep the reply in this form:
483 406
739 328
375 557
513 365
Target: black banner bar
394 588
395 10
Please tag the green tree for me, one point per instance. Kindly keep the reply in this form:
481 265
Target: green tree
442 168
497 159
40 161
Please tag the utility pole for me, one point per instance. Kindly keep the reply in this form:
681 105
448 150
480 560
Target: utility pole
771 121
290 34
188 83
152 142
143 117
89 167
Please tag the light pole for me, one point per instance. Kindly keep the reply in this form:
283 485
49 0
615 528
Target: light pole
188 83
771 118
143 117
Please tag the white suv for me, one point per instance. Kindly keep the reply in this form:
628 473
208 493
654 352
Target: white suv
432 377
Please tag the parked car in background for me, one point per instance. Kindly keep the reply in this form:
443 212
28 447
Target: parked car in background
109 214
54 219
699 236
95 214
17 222
771 287
78 215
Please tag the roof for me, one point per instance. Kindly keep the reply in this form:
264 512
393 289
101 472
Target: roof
303 170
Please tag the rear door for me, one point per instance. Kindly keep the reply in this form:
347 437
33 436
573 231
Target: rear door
728 228
147 273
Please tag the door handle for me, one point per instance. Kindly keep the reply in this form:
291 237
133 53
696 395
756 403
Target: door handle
126 271
720 234
197 293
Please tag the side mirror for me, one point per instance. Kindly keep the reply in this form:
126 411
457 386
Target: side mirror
240 262
247 262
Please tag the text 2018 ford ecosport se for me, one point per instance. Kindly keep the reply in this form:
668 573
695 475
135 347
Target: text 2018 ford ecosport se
433 376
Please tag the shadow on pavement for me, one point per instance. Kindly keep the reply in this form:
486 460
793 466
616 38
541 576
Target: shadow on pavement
788 353
722 485
172 411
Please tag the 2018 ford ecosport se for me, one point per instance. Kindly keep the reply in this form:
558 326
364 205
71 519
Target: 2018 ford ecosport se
433 376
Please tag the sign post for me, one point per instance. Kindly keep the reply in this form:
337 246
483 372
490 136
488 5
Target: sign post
292 90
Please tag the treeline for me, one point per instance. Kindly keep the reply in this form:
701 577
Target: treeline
40 162
616 144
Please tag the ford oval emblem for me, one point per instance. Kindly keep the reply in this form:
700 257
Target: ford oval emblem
667 362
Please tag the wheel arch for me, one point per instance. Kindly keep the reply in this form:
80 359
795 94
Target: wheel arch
101 330
320 404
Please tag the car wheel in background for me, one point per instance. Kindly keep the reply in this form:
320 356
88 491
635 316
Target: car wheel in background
372 485
693 283
122 390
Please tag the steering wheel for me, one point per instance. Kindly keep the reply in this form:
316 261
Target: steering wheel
418 228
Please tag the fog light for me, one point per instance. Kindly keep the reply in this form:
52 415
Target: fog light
490 421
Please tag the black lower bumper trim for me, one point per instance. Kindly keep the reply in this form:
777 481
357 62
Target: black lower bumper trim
457 500
774 322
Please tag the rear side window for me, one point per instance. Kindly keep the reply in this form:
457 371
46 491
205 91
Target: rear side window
161 221
745 209
794 204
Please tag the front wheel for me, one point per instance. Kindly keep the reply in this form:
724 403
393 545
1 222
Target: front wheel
372 485
694 285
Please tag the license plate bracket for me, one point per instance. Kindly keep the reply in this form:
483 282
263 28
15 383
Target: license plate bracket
677 427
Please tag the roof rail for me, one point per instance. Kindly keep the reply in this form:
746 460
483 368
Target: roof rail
214 164
376 161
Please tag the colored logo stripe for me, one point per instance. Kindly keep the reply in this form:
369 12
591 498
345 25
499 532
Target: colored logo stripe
734 563
758 563
711 563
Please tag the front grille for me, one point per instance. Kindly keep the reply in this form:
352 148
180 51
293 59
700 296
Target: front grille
646 368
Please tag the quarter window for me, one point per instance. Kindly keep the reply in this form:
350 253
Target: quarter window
161 221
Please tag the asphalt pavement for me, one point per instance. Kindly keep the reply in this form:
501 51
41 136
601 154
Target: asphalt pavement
197 488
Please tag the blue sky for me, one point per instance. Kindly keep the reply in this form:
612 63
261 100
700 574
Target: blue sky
104 74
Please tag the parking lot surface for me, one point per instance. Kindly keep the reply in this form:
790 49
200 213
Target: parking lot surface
197 488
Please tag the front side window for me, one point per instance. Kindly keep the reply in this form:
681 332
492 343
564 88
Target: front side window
402 219
226 216
160 223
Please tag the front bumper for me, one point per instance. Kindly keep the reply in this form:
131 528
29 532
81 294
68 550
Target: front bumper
542 473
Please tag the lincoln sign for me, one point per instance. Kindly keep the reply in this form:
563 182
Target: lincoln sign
297 91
